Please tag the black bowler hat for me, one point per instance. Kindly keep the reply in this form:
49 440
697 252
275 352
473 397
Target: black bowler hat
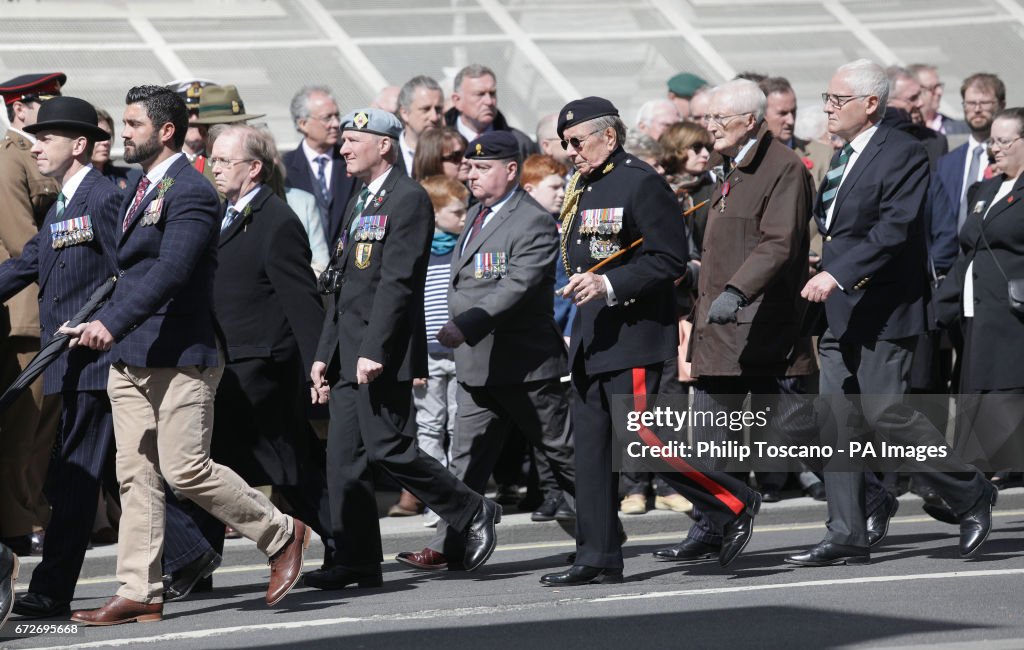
493 145
583 110
68 114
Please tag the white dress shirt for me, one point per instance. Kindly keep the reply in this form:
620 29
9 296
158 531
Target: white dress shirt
858 144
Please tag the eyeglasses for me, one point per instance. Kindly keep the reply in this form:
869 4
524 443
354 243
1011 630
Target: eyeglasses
839 101
1001 142
227 162
577 143
326 119
453 157
989 103
722 119
933 88
28 99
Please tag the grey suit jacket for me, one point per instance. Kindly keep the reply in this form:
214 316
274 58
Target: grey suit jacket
507 316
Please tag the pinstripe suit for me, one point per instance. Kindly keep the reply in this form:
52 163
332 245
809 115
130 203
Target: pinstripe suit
66 278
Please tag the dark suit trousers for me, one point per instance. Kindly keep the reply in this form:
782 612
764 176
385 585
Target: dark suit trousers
371 424
84 438
721 496
880 370
487 415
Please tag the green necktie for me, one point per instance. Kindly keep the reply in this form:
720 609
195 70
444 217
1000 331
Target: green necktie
357 210
60 205
834 177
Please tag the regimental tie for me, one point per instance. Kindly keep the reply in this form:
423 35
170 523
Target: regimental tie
229 218
834 177
357 210
321 178
478 225
61 202
139 193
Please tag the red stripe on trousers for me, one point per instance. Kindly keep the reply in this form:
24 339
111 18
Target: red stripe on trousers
650 439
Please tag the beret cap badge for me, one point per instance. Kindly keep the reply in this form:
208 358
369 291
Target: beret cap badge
361 120
568 115
479 149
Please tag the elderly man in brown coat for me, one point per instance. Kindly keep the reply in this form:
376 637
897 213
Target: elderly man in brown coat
746 337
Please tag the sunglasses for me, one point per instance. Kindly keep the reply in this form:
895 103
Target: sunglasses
577 143
453 157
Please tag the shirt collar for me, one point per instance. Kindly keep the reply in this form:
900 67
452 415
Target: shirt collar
243 201
312 155
69 188
160 170
467 131
972 143
498 205
375 185
861 141
741 155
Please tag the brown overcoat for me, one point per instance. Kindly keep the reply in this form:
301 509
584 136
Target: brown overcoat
757 244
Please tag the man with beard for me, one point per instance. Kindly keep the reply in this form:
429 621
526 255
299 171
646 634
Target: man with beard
166 367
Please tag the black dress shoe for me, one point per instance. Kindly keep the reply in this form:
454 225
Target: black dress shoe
738 532
976 523
688 550
565 512
339 577
36 605
582 575
878 521
547 510
8 574
480 537
816 491
190 577
829 554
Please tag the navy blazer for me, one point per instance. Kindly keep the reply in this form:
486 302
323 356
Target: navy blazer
67 276
161 311
875 245
300 175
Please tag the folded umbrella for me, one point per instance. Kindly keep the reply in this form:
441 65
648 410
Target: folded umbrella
55 346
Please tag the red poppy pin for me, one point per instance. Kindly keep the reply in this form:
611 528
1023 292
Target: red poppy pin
808 163
1009 199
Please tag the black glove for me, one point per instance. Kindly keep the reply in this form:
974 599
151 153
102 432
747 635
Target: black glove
725 306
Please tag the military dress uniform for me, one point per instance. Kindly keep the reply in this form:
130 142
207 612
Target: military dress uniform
27 427
622 348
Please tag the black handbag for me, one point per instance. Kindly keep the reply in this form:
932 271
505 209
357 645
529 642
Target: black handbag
1014 288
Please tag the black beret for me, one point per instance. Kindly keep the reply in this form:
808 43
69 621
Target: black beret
581 110
493 145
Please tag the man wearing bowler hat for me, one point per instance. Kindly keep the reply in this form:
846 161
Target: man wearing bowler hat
67 259
624 333
373 344
27 426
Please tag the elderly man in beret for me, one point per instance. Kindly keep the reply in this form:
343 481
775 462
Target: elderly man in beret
373 344
625 333
509 357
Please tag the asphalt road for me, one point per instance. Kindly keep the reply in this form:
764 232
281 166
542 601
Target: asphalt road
916 593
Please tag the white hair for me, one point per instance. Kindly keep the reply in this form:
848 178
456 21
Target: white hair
866 77
742 96
649 108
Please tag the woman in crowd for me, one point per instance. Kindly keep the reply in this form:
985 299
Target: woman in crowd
440 151
123 178
978 294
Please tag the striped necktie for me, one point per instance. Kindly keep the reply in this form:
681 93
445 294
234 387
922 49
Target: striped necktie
834 177
357 209
61 204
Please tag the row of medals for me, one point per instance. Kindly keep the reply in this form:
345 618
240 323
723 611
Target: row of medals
599 226
371 228
64 238
485 270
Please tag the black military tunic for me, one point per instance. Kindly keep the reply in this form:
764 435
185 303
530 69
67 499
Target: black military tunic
622 349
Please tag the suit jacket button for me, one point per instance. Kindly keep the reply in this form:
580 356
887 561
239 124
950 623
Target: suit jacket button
828 237
61 265
55 299
120 273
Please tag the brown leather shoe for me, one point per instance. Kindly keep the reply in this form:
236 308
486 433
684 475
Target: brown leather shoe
426 560
119 610
286 564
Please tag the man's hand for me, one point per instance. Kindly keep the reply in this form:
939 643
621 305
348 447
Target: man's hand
419 382
723 309
93 335
367 370
320 391
584 287
450 335
819 287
